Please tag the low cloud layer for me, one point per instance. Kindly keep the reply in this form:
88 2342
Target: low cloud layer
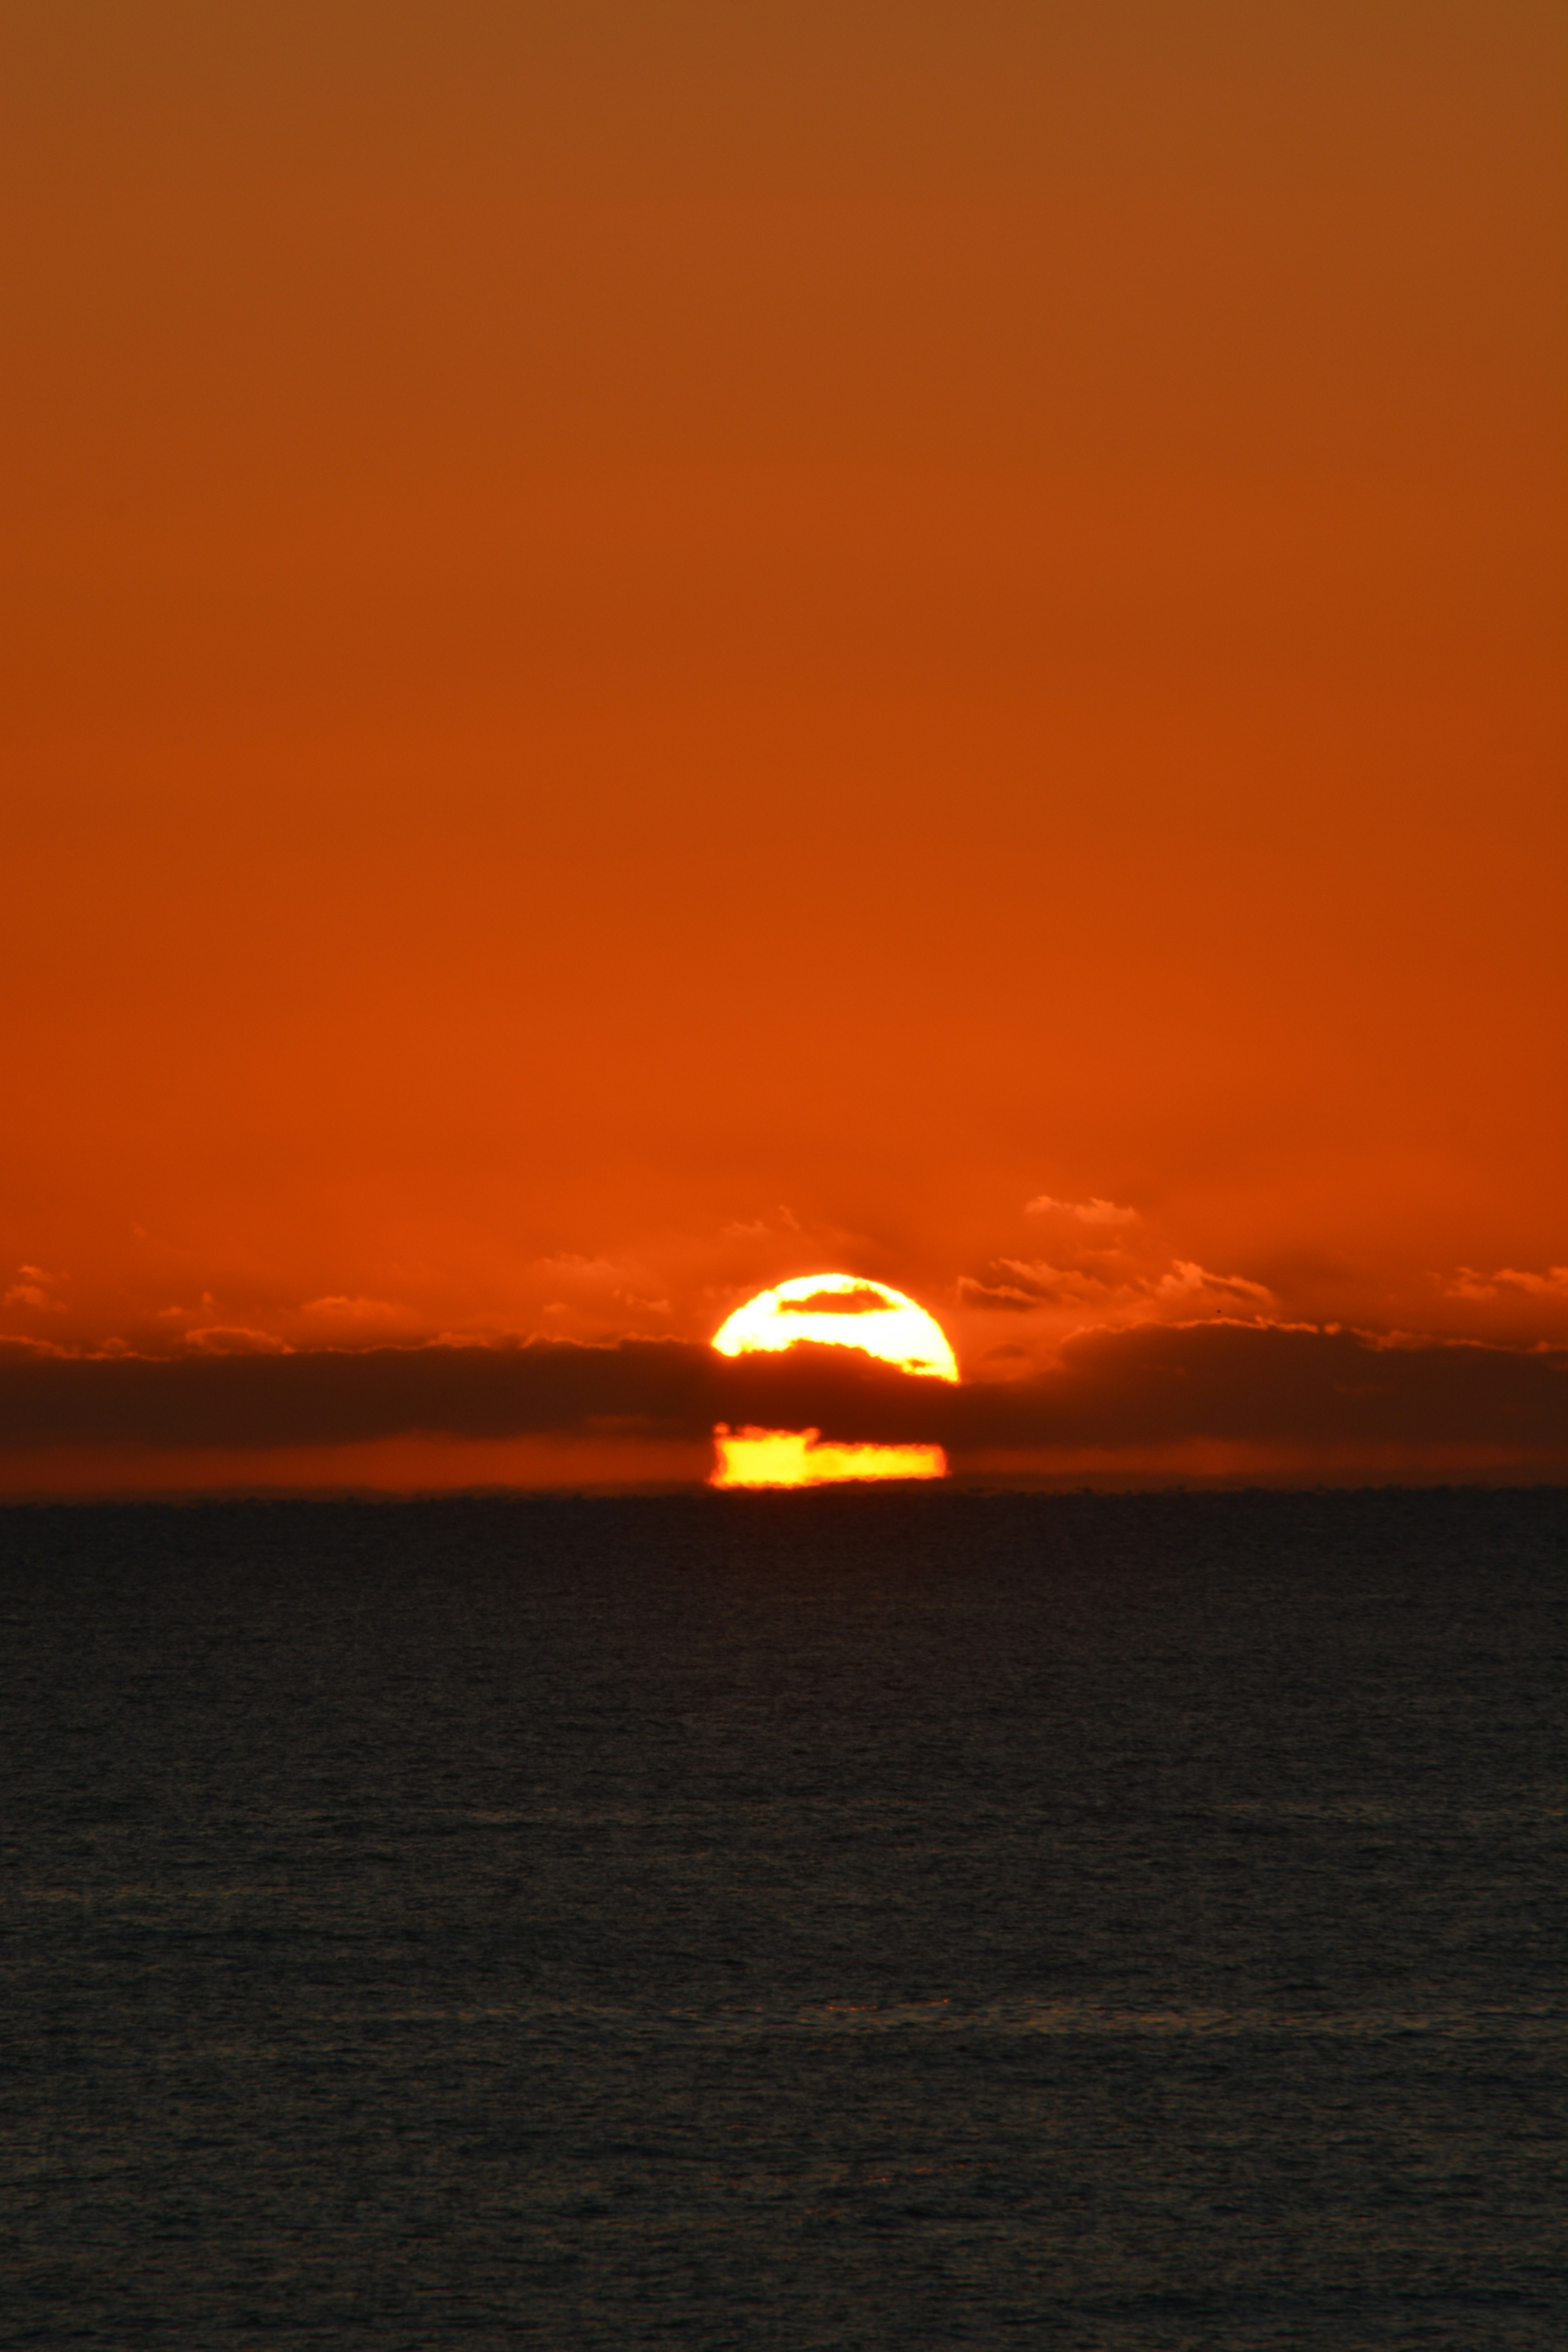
1250 1383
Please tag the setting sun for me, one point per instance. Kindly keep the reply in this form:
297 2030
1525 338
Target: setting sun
840 1310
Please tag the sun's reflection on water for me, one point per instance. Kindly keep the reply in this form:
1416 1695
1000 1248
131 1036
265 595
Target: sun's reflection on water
797 1457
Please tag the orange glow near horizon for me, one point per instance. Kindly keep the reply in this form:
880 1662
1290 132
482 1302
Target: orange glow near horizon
796 1458
649 649
837 1310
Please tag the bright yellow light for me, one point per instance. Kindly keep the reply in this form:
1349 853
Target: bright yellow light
840 1310
796 1458
836 1311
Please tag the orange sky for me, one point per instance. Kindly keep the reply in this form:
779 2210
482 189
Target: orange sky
648 649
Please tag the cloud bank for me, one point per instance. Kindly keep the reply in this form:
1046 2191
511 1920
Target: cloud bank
1246 1384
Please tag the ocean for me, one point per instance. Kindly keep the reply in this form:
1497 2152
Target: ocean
835 1919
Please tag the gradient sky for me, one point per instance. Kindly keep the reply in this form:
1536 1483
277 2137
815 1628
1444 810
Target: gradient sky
652 647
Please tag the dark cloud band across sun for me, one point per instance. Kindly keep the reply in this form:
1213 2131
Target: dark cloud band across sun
1110 1393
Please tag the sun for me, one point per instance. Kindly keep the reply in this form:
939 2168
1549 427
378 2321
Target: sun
835 1310
841 1310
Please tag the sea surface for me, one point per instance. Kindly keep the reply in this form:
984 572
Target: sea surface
838 1919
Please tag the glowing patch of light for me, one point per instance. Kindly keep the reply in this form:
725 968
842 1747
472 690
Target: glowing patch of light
796 1458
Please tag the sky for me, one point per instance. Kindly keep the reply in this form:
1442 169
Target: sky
652 649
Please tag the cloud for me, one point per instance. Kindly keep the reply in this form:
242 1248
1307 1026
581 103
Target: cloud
1267 1382
1185 1280
1054 1286
836 1302
1032 1284
352 1312
597 1293
998 1298
234 1339
236 1397
759 1229
1026 1285
1093 1212
31 1289
1248 1382
1466 1283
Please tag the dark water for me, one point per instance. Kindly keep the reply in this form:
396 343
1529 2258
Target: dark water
833 1920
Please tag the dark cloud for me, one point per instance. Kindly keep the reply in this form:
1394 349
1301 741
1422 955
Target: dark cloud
1251 1384
337 1397
1002 1298
836 1302
1265 1384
